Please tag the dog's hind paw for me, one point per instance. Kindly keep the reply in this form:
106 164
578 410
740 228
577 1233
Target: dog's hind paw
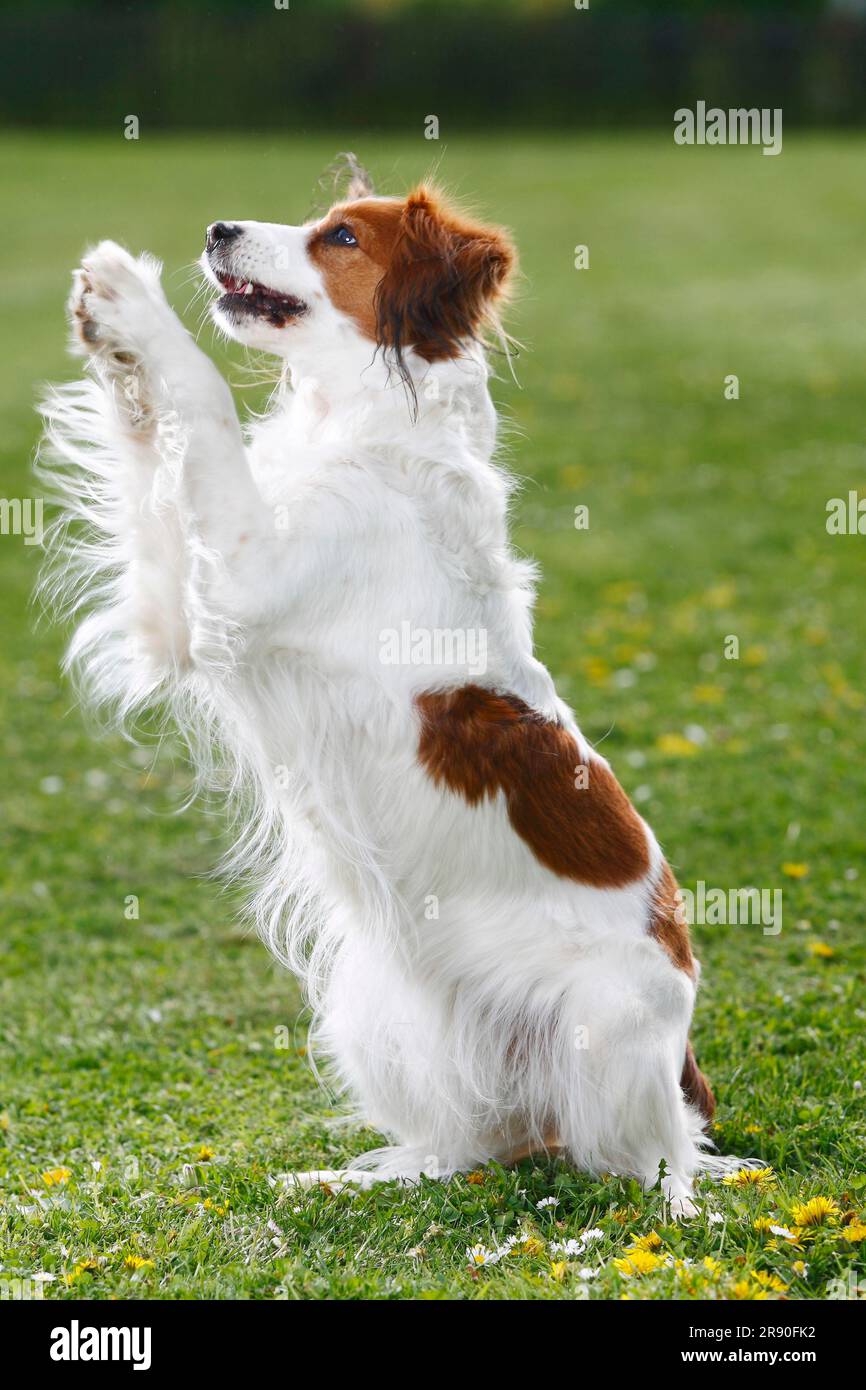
683 1209
334 1178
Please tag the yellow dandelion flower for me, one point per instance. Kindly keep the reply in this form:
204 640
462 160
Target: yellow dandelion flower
220 1209
754 656
769 1281
799 1267
742 1289
818 1211
623 1215
763 1223
711 1266
795 870
205 1153
720 595
137 1262
532 1245
638 1262
558 1270
476 1178
596 670
83 1267
708 694
854 1232
55 1177
651 1241
801 1233
750 1177
821 950
753 1129
676 745
572 475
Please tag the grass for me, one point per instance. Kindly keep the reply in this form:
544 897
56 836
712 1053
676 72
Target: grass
154 1066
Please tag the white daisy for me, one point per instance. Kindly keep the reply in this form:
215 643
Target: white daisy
567 1247
783 1231
479 1255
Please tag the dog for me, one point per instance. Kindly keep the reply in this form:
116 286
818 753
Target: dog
327 605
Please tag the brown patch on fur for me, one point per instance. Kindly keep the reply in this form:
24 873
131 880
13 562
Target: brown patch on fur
422 275
352 273
670 929
668 925
696 1086
478 743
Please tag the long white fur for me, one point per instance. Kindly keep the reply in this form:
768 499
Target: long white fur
243 583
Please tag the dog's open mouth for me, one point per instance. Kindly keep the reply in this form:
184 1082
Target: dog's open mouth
249 297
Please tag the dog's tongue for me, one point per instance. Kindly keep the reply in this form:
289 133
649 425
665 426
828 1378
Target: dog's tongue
236 286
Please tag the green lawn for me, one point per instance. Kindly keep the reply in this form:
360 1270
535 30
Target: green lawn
144 1056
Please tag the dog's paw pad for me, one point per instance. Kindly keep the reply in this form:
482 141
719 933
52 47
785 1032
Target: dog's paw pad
116 305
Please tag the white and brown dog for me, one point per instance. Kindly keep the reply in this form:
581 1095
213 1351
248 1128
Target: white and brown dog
328 606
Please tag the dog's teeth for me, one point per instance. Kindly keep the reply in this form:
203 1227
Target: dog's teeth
248 287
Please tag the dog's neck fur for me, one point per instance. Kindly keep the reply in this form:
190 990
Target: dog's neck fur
351 393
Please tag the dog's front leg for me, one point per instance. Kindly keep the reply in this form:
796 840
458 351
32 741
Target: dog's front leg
178 418
166 386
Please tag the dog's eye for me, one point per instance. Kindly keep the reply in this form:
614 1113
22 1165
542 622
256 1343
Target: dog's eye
343 236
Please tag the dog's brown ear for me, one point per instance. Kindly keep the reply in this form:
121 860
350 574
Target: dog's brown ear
443 279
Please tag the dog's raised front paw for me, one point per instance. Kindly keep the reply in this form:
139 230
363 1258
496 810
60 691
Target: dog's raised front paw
117 306
121 319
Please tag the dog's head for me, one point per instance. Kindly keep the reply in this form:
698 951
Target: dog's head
405 275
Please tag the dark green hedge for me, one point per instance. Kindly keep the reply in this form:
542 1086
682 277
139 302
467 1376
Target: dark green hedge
495 65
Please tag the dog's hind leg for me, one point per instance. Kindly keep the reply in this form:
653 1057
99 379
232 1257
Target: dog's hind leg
618 1103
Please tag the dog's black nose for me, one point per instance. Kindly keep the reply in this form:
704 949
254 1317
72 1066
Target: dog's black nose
221 231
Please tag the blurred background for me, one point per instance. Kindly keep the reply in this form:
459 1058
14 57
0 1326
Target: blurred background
498 64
